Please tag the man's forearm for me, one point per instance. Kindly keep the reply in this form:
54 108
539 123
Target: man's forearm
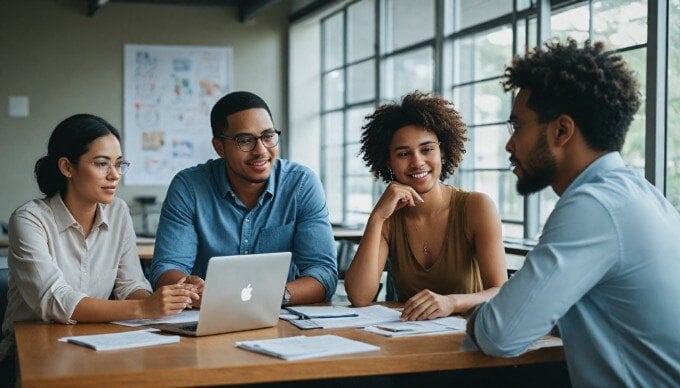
306 290
471 318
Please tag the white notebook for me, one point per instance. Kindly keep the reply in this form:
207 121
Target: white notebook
408 328
304 347
125 340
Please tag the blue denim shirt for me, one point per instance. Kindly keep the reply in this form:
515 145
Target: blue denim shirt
607 270
202 217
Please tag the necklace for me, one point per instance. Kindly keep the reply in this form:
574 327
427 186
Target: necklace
425 245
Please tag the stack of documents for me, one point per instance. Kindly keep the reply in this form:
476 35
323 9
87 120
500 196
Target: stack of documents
125 340
312 312
401 329
303 347
363 316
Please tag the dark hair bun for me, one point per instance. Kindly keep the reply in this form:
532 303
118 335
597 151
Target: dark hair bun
50 180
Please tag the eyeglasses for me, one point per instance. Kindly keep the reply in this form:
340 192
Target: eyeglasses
512 124
247 143
104 167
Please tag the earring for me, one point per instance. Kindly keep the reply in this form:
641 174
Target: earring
391 173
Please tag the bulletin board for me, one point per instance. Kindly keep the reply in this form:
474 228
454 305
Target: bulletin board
168 94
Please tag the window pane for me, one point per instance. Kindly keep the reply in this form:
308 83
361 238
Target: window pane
547 199
500 186
355 120
407 22
333 129
407 72
332 41
634 148
361 79
570 22
334 89
512 230
359 191
620 23
673 136
333 182
487 147
471 12
524 45
360 30
354 219
483 55
483 103
355 165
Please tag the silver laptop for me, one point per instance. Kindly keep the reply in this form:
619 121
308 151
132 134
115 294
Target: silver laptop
241 292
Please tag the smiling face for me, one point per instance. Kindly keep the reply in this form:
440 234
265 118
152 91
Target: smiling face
415 158
530 155
252 167
87 184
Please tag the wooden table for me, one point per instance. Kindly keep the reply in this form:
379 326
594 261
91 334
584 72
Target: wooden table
145 251
212 360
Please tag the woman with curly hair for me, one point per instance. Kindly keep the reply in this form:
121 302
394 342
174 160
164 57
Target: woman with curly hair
444 244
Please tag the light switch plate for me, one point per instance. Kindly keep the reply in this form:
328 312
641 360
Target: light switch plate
18 106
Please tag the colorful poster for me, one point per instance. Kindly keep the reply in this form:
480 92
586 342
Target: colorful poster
168 94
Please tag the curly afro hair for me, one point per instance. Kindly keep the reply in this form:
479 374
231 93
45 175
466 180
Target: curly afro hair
595 87
431 112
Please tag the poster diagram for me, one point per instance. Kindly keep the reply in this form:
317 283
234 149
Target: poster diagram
168 94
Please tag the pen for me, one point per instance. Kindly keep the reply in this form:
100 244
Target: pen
394 329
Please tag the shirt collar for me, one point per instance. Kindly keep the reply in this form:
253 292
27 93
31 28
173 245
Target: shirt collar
220 175
604 163
64 219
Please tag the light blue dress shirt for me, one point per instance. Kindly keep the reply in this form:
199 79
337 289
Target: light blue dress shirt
202 217
606 270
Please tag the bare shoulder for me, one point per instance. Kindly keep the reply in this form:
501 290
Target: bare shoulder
480 203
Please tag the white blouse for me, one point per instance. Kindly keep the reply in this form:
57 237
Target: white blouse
52 265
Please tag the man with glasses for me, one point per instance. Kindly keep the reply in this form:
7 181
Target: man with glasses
248 201
606 269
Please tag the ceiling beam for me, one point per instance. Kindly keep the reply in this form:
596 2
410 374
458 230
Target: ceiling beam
248 9
94 5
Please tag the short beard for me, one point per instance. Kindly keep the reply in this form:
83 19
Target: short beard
540 168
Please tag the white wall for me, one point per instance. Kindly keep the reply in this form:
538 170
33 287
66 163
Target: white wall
304 93
68 63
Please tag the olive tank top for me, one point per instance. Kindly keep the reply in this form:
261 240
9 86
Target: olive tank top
454 271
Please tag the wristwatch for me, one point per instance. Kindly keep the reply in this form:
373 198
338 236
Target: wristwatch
286 296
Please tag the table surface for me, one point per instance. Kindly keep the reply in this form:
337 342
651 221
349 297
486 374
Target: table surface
215 360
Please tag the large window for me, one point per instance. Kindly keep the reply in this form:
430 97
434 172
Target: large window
375 51
673 122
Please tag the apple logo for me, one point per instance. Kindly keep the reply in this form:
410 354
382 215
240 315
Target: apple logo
246 293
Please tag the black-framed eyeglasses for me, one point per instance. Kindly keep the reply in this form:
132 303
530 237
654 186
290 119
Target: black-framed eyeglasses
247 143
104 166
512 124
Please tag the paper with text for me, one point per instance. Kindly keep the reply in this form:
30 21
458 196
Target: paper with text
304 347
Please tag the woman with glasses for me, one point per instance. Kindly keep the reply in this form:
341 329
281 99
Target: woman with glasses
72 250
444 244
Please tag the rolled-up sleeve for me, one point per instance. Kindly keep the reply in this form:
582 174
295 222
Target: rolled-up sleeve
36 274
176 237
314 247
570 259
130 277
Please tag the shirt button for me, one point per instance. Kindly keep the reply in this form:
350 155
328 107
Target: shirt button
246 251
246 241
247 220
